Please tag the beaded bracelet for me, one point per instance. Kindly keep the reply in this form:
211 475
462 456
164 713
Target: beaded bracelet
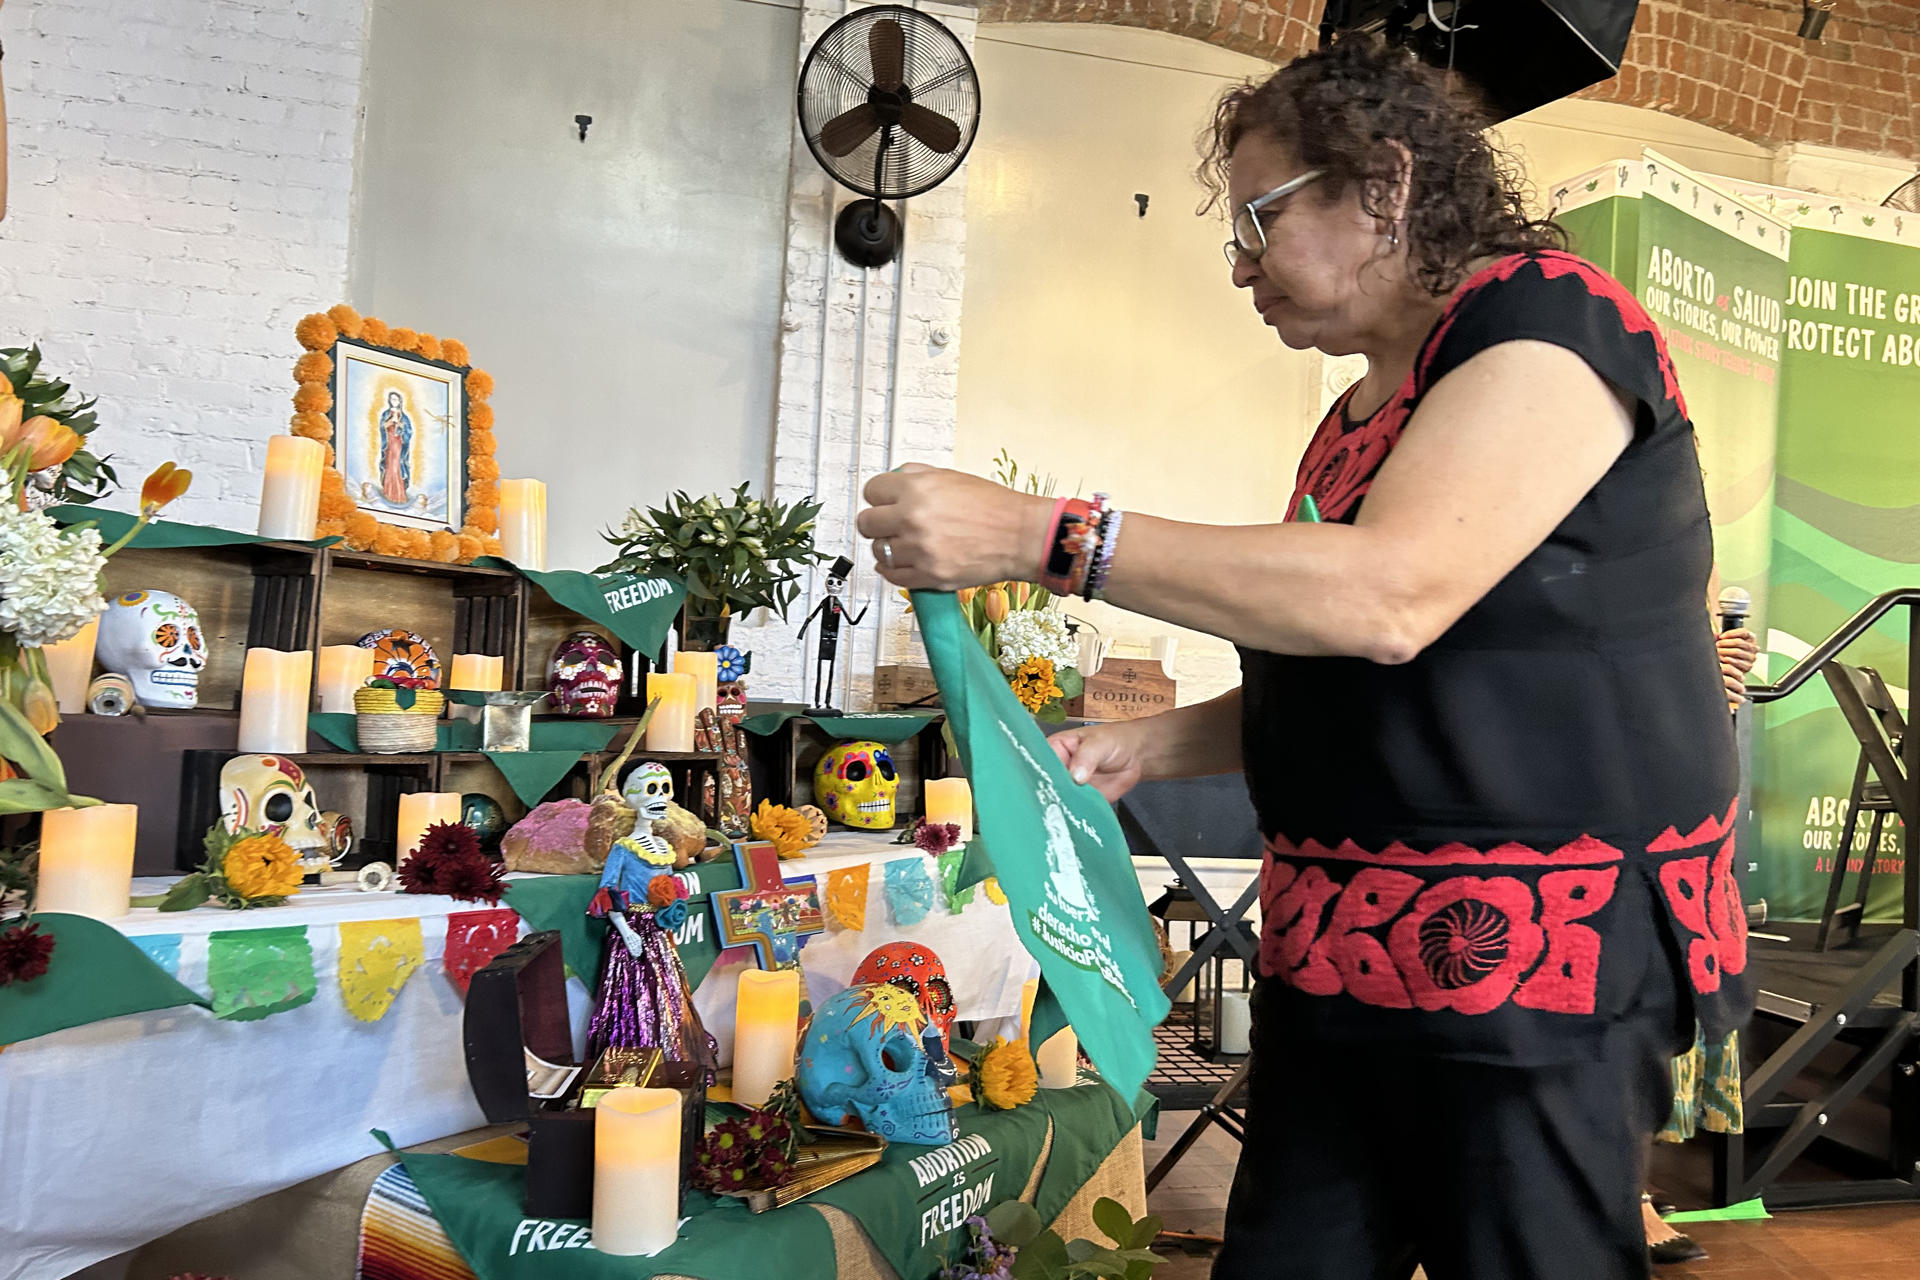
1103 559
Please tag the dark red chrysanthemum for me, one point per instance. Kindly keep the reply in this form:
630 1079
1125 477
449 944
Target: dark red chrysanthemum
935 838
24 953
450 839
422 873
474 878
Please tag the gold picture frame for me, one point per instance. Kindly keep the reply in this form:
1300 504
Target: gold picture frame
408 430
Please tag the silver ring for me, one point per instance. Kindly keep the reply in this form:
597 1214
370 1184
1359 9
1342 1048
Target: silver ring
885 548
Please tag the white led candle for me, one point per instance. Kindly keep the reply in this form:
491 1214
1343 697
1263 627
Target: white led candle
636 1171
86 860
671 728
766 1028
1059 1060
950 800
275 687
343 668
290 489
70 665
705 670
418 811
523 523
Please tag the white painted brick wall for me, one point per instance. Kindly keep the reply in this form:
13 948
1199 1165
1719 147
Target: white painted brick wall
835 429
180 181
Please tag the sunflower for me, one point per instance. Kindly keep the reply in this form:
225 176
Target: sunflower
261 867
789 831
1006 1077
1033 683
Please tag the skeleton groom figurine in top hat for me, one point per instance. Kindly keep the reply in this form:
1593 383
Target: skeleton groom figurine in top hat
830 611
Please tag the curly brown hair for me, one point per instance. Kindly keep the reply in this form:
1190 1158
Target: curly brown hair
1341 107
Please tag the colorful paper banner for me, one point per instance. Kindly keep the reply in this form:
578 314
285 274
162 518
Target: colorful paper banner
376 959
474 938
910 891
256 973
847 896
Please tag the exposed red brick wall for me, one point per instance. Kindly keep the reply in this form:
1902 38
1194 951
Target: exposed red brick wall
1734 64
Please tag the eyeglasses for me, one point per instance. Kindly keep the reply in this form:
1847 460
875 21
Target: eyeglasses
1249 237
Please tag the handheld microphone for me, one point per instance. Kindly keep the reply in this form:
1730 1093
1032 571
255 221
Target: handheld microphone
1736 606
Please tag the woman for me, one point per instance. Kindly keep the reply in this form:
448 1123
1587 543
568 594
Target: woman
1479 717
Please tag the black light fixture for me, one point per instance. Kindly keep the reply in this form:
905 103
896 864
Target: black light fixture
1813 17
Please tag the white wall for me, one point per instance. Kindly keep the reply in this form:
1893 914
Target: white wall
180 182
1571 136
1107 348
624 291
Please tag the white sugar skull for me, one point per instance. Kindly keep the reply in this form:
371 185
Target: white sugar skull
649 789
153 638
855 783
584 675
272 794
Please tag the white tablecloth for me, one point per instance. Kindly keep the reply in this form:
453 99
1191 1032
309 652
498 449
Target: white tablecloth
117 1132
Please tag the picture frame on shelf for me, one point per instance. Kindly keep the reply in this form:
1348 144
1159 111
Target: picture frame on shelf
405 418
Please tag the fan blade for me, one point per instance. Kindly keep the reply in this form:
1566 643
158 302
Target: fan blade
849 129
887 44
933 130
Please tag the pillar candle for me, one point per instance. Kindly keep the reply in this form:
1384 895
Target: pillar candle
290 490
951 800
671 728
70 664
1236 1023
636 1171
1029 992
705 670
766 1028
477 671
86 860
1059 1061
274 690
420 810
343 668
523 522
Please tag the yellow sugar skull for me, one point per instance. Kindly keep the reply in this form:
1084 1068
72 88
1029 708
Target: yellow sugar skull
855 784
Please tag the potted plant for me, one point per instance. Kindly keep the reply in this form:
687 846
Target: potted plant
732 552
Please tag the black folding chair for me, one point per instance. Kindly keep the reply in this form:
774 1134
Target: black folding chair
1880 787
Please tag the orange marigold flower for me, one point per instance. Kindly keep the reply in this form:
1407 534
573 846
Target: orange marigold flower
402 339
314 426
485 520
362 531
492 546
481 468
335 506
427 346
315 366
480 416
484 493
317 332
374 331
480 440
471 548
453 351
262 867
446 546
346 318
313 397
479 383
49 443
166 483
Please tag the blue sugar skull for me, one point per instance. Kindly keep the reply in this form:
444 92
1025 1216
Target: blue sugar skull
862 1058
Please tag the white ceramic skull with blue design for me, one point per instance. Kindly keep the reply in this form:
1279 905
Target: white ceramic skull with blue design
862 1058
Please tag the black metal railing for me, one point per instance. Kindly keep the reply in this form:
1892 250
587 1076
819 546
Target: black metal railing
1845 634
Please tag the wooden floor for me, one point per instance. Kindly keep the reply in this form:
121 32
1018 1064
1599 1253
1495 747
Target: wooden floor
1879 1243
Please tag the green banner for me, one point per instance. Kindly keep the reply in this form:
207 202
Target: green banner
94 973
638 610
1060 857
162 533
1846 527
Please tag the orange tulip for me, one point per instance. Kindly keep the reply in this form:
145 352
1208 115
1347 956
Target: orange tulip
37 703
1021 593
10 409
965 595
165 484
996 605
51 443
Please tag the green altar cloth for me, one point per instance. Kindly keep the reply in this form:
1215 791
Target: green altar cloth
95 973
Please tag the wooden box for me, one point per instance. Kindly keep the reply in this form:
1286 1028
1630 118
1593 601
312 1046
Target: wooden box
1124 689
903 686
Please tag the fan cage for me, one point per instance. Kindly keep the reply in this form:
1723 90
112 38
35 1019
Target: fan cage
836 76
1906 196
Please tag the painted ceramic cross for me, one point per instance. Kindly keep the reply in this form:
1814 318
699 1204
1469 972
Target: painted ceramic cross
769 914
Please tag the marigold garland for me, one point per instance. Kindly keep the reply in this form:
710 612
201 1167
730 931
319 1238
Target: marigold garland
339 515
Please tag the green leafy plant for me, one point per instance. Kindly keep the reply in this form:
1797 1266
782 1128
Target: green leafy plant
733 552
84 477
1040 1253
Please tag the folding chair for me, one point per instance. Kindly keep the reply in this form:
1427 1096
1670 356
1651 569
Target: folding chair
1880 787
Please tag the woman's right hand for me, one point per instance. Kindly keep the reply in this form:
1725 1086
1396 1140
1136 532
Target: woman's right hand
1105 756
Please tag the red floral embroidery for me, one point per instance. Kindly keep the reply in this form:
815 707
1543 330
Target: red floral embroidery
1566 980
1581 851
1466 942
1347 959
1339 465
1291 905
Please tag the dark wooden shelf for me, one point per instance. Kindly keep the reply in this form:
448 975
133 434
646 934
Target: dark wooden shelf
364 758
345 559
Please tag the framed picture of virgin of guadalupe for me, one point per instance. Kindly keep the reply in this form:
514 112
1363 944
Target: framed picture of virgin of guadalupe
411 471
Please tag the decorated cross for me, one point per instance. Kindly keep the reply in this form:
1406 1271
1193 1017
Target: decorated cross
767 913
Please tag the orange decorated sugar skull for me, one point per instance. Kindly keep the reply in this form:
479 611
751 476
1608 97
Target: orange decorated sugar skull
404 658
917 971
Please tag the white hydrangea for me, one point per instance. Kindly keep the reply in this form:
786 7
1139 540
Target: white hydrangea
1036 633
49 579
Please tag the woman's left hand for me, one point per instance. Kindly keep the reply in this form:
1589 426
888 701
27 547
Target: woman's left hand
1738 648
944 530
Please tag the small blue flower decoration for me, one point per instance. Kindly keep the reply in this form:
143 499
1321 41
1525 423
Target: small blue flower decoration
732 666
671 917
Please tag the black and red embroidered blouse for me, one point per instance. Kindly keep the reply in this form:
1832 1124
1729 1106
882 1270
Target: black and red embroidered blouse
1487 851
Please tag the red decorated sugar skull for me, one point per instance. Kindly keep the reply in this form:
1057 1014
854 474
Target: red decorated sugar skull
916 970
584 675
